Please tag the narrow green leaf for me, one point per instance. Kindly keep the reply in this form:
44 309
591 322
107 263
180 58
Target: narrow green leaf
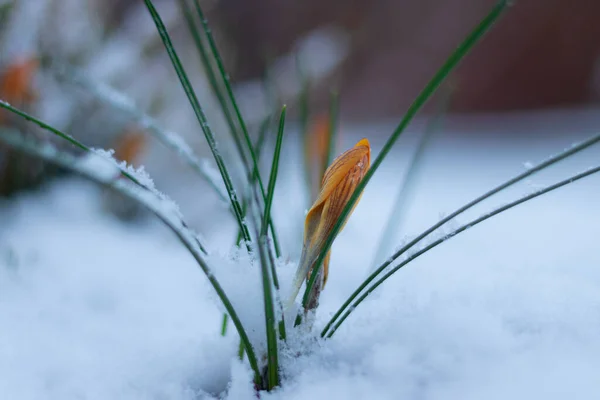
258 147
44 125
224 324
269 274
208 69
271 190
420 100
269 308
217 90
298 320
406 191
193 99
273 176
543 165
281 323
59 133
271 328
265 250
238 114
271 187
241 350
461 229
267 213
146 198
119 101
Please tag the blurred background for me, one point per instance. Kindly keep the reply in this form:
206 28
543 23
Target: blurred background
542 54
84 65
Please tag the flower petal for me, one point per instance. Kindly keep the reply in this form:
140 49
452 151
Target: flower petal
339 183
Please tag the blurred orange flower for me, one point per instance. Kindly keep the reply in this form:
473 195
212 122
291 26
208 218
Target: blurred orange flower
316 146
15 83
130 146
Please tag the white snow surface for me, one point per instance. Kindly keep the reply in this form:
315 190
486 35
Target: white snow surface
92 308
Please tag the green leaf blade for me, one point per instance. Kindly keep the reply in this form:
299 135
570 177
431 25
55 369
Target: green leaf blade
240 120
193 99
145 198
539 167
457 231
450 64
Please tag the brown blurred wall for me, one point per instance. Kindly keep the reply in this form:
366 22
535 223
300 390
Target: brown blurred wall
543 53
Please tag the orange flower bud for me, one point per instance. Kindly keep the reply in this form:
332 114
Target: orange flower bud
339 183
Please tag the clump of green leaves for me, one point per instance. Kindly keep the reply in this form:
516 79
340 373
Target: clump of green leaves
252 213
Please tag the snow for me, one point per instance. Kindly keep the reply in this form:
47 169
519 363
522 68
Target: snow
100 162
86 328
93 308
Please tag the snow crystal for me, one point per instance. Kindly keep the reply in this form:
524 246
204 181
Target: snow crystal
138 173
153 198
98 165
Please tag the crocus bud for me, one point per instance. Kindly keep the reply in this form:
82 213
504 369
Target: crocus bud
339 183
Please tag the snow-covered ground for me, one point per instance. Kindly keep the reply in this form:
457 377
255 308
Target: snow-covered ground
91 308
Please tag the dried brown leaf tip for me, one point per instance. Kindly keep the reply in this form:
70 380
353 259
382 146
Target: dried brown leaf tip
339 183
